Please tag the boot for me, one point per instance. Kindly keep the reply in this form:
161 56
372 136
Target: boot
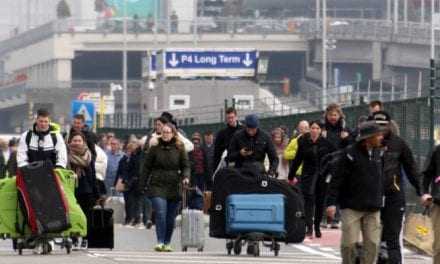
309 232
318 231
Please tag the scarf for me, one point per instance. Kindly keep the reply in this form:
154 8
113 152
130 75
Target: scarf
79 158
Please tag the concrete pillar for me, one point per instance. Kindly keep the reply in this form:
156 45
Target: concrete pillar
388 10
396 16
317 15
422 11
63 71
377 60
405 11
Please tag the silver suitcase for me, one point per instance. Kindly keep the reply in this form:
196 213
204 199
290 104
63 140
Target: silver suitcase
116 203
192 227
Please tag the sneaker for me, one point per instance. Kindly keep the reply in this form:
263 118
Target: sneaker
38 249
159 247
84 243
140 226
167 248
149 224
334 225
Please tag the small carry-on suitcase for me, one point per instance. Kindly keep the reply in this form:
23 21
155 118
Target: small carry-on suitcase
263 213
192 227
100 230
116 203
42 198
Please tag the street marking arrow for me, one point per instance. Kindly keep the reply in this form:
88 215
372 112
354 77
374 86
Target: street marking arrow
83 111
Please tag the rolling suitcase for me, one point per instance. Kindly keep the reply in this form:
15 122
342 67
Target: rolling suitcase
117 204
42 198
246 213
192 226
100 230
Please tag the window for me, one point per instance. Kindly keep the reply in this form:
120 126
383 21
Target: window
244 102
179 102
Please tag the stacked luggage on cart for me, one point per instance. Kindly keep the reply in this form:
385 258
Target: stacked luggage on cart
38 206
251 208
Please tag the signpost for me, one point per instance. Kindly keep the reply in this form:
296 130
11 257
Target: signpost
209 63
85 108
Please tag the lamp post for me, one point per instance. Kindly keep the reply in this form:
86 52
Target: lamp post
433 66
324 54
124 69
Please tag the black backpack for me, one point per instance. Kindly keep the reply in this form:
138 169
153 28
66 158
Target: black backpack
53 136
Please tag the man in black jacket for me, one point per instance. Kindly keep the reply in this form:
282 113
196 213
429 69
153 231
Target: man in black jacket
249 147
431 181
398 157
357 187
224 136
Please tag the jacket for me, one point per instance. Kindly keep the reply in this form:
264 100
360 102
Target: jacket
398 156
333 134
41 147
100 163
261 144
290 152
358 181
222 141
129 170
199 172
431 176
310 154
153 138
87 184
165 166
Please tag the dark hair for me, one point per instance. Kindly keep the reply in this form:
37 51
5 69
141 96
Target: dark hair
161 119
318 122
43 113
80 117
376 103
74 134
231 110
208 133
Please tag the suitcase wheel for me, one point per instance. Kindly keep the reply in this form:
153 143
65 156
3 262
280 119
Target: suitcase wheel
20 247
184 249
276 249
200 249
253 249
67 243
229 246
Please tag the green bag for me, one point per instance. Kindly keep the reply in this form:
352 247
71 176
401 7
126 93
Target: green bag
10 212
77 217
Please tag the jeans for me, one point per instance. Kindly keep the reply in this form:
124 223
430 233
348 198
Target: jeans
144 207
166 212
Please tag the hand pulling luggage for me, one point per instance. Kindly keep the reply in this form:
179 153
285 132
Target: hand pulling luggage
42 198
207 201
100 230
192 227
246 213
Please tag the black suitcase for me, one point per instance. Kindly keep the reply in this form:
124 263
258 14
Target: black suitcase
42 199
232 181
100 230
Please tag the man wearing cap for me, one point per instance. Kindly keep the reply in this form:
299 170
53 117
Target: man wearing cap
398 157
250 146
357 187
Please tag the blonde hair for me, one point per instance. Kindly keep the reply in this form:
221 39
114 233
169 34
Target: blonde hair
333 107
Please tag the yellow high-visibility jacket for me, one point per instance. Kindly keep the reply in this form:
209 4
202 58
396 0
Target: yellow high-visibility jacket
290 152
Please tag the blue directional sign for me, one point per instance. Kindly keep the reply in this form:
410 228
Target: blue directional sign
85 108
210 63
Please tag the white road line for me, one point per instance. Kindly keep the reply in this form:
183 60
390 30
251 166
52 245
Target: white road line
217 261
315 252
328 249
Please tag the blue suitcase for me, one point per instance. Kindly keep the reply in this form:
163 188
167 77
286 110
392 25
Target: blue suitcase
248 213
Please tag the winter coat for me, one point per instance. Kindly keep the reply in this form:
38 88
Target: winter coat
333 134
100 163
358 183
310 154
431 176
165 166
261 144
398 156
41 147
129 170
222 141
153 138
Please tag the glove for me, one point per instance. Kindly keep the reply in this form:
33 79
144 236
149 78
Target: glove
185 181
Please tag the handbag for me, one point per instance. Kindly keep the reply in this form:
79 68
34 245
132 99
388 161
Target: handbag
418 231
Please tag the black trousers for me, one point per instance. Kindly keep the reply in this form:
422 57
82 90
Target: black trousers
86 202
320 195
309 210
392 219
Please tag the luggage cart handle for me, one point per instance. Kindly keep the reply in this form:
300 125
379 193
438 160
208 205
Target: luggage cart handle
185 191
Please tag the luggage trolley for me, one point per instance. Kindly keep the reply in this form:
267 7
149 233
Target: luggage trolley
254 218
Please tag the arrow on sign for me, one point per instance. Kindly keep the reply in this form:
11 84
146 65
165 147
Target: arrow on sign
83 111
248 62
173 62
